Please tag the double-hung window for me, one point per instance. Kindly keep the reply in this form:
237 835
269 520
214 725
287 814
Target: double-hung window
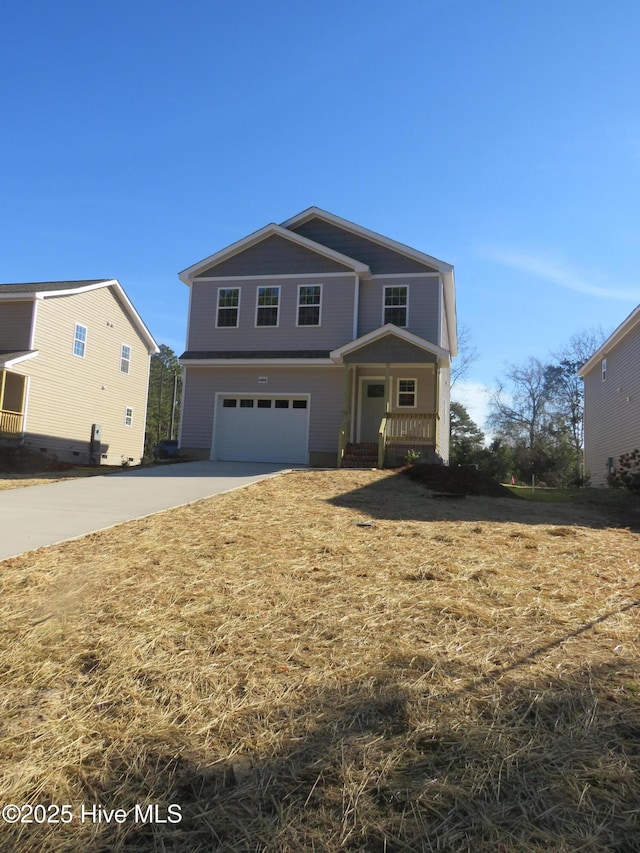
406 393
396 301
125 358
268 304
80 340
309 296
228 304
128 416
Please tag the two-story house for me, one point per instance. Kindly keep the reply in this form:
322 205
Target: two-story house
612 400
74 370
318 342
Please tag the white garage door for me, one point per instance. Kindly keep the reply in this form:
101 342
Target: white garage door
261 428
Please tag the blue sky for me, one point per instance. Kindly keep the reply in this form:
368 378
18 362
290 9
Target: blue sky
502 137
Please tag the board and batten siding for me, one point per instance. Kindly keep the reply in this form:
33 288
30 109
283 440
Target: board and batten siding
67 393
336 316
324 384
15 324
423 305
612 408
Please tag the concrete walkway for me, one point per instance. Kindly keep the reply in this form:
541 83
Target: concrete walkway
35 516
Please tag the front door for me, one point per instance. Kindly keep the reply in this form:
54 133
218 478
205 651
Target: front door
371 408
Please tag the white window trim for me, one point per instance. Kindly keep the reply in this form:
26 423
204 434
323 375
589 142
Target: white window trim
415 392
75 339
263 287
384 299
128 409
604 369
299 306
122 359
228 308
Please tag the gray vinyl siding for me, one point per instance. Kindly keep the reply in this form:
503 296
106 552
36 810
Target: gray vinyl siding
387 350
612 408
274 256
15 324
425 385
324 384
444 331
423 305
380 259
336 316
67 394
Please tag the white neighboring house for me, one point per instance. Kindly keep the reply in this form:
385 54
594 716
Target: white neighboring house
612 400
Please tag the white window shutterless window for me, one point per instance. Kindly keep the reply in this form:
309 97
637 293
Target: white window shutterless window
125 358
128 416
396 305
80 340
309 298
228 306
406 394
604 369
267 306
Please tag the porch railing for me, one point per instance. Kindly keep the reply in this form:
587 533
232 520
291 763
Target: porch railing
10 422
397 428
410 429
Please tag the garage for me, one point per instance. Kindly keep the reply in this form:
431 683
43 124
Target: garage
260 428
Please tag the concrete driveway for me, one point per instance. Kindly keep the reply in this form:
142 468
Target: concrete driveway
43 515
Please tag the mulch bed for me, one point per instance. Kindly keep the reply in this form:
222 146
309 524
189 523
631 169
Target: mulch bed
457 481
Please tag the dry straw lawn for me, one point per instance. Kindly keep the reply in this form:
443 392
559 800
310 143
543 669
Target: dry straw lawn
464 675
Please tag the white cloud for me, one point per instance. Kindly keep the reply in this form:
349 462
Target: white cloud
559 272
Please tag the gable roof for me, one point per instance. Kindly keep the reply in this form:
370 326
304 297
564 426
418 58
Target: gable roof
10 357
445 269
389 329
619 334
47 289
270 230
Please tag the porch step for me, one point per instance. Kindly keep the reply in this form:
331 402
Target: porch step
364 455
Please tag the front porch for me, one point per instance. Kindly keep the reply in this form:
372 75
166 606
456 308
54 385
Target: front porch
13 393
386 416
396 385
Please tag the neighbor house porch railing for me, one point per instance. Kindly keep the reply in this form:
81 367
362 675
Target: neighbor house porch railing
10 422
405 429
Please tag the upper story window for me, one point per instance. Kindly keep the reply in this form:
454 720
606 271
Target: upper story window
80 340
267 306
309 296
406 393
228 304
396 301
604 369
125 358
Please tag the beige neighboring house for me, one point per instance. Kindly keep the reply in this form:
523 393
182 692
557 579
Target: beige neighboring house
74 370
612 400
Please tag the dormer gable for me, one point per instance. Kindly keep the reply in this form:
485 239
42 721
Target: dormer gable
273 250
